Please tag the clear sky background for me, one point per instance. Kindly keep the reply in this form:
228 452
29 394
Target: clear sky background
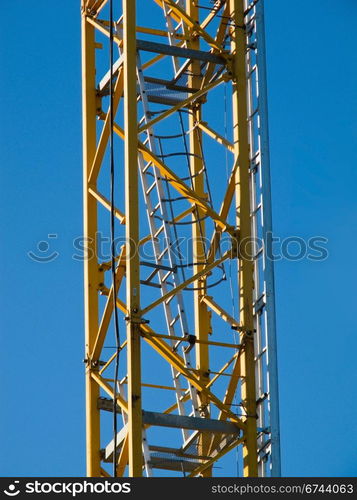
312 71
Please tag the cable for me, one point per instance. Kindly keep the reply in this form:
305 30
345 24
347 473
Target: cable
112 237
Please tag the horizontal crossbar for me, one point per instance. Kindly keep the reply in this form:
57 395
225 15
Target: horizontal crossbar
172 50
192 423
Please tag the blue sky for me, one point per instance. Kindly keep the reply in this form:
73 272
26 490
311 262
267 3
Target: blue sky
312 73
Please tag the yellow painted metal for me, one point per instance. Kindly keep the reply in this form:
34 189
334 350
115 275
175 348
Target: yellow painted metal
106 203
215 135
201 314
103 140
243 211
219 38
108 309
222 370
219 310
197 340
200 376
91 275
150 31
132 240
109 390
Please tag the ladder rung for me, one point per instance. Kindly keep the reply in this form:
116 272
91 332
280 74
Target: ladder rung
251 116
256 210
146 168
253 69
265 445
167 275
156 234
261 354
167 301
173 321
156 208
259 252
255 156
149 189
160 256
259 304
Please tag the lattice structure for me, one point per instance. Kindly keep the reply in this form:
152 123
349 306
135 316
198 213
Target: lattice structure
194 284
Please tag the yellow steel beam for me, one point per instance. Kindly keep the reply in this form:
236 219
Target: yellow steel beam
92 5
222 370
123 457
108 309
106 204
151 31
102 27
95 6
201 314
215 135
197 341
112 358
91 274
243 211
132 240
219 310
222 28
229 394
224 211
100 382
212 14
104 137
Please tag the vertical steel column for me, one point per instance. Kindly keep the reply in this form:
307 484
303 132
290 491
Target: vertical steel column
91 278
243 213
202 320
132 240
267 237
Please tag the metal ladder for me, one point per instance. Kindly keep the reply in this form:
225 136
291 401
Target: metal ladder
156 211
264 305
172 32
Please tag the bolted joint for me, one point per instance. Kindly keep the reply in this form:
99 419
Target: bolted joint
203 410
92 365
136 320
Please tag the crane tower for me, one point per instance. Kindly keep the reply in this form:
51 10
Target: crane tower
180 339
